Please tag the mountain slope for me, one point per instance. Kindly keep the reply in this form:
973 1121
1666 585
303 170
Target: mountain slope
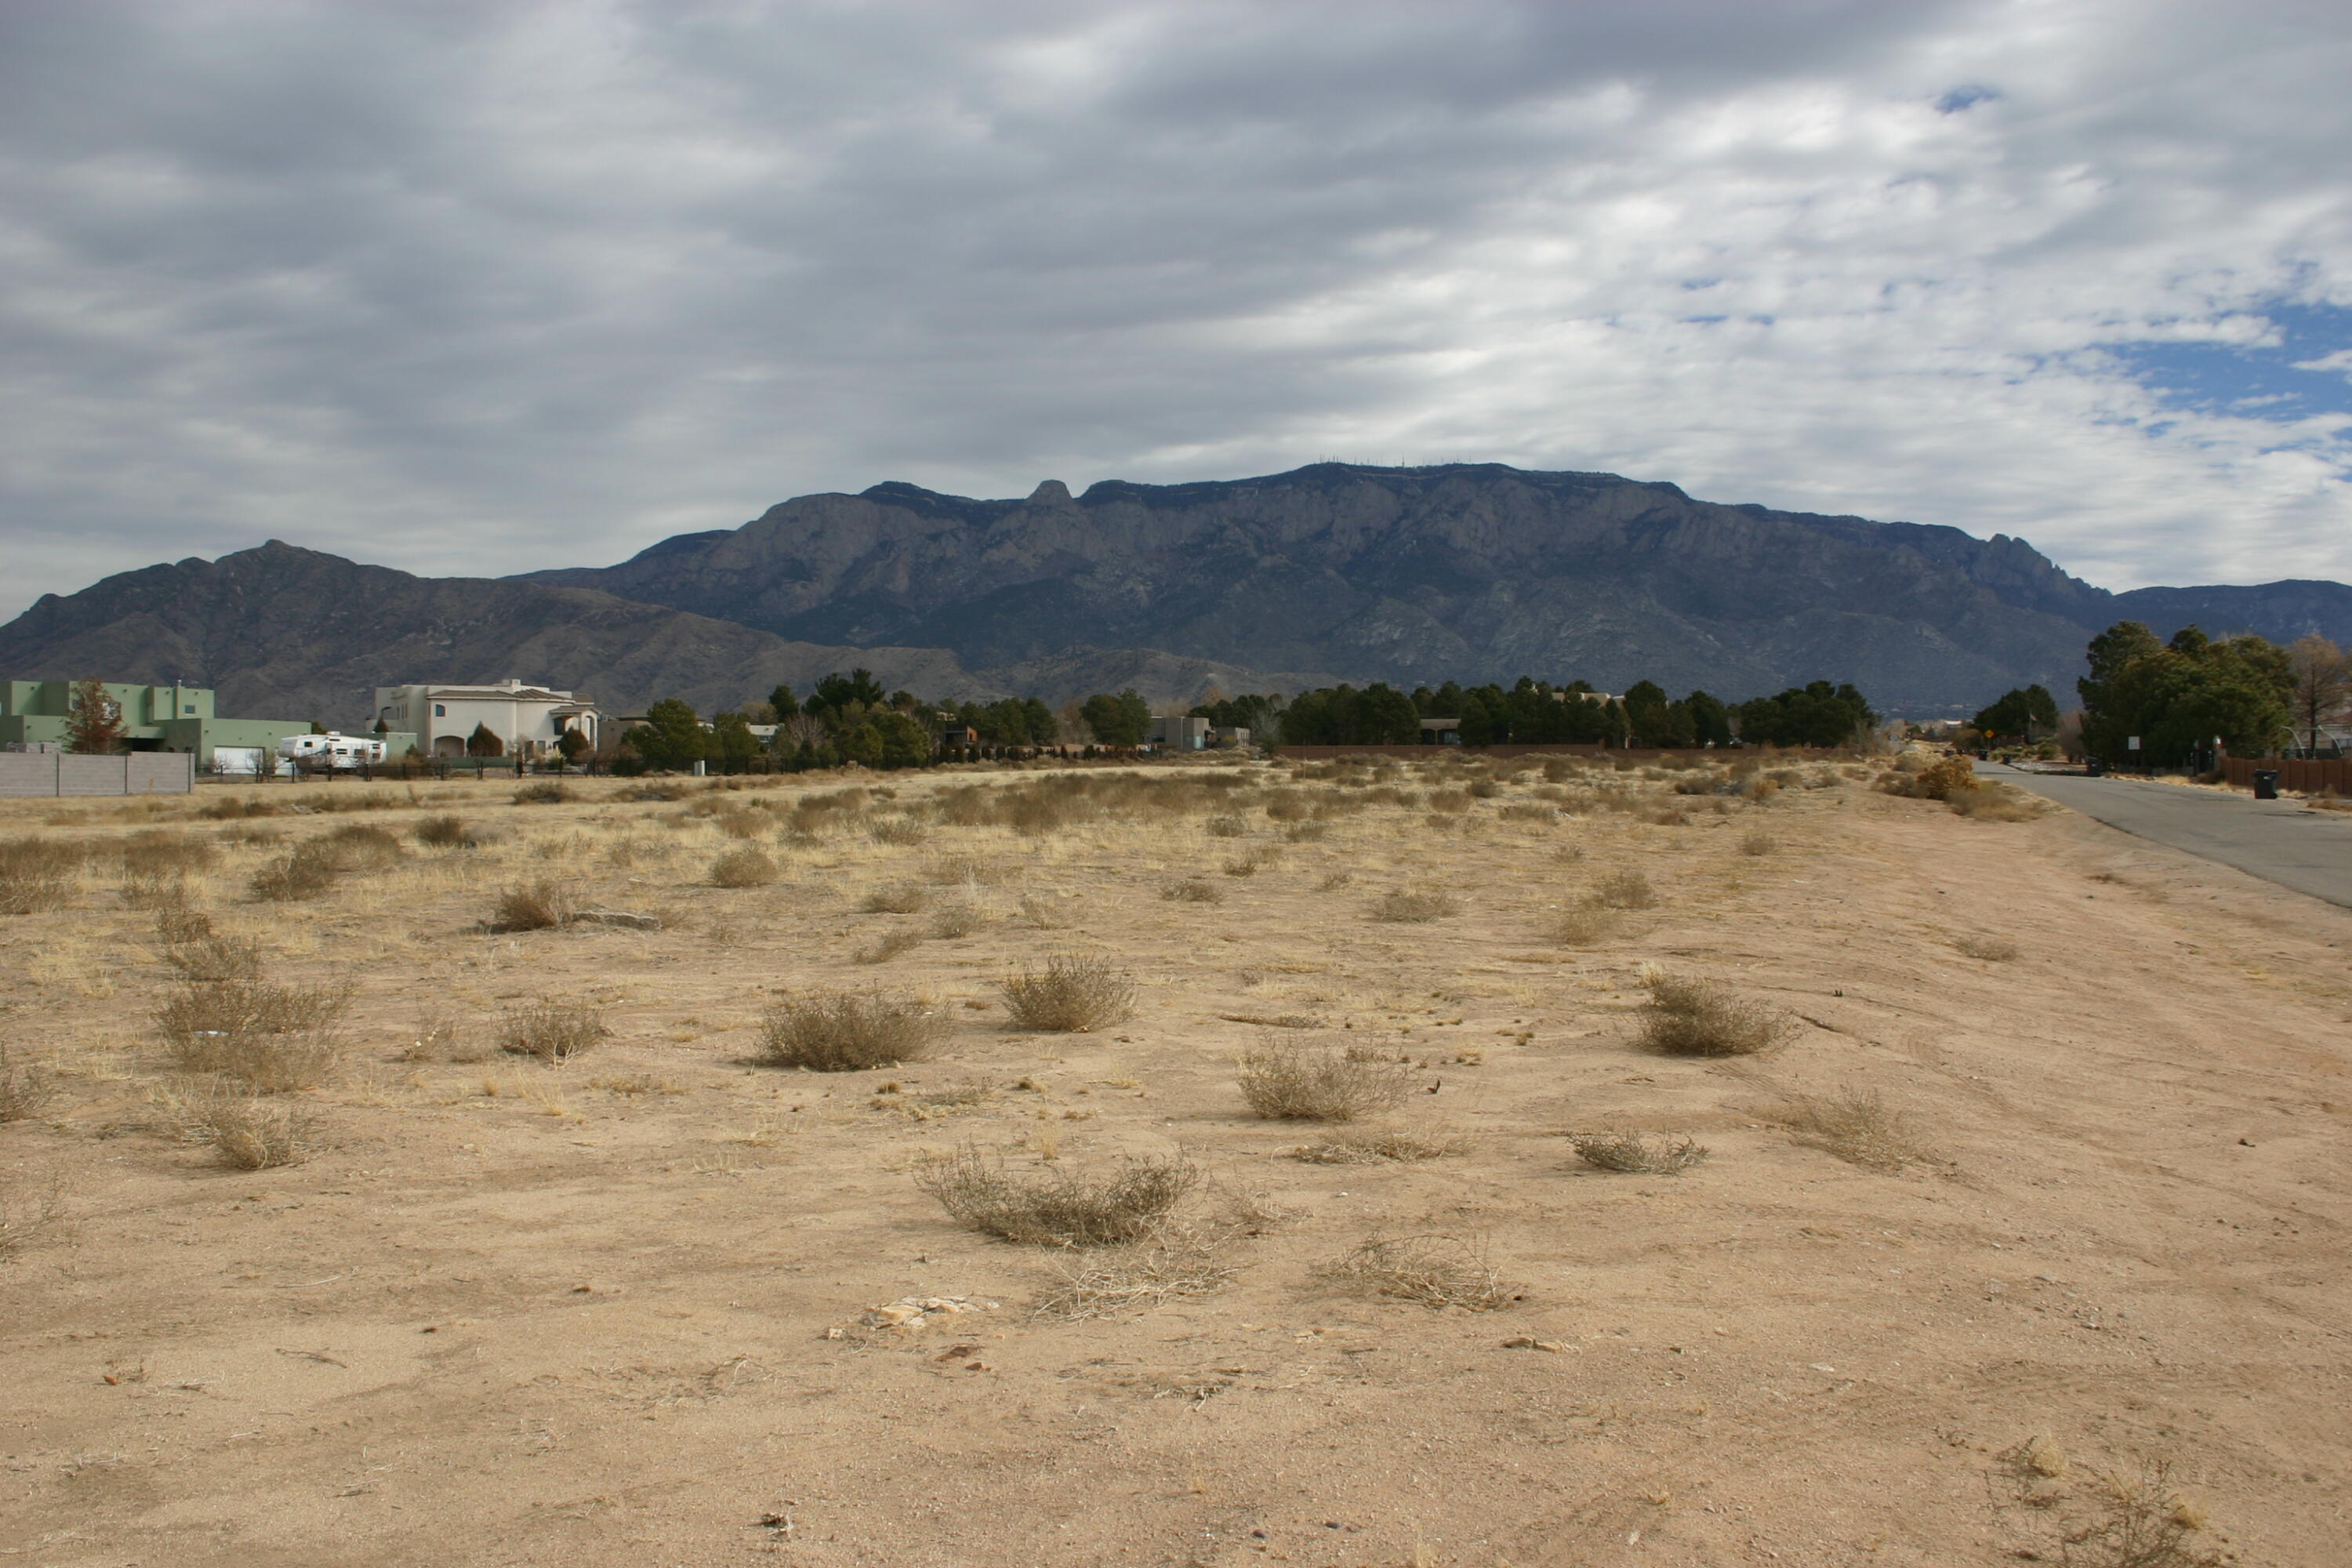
1407 575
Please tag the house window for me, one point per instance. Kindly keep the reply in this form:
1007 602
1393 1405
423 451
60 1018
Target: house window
440 711
191 708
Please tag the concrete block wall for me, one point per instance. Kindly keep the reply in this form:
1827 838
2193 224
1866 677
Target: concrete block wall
128 773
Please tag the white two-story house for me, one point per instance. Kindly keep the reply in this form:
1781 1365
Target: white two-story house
527 720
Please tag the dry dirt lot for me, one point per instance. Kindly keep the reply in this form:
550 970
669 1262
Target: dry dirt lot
2082 1275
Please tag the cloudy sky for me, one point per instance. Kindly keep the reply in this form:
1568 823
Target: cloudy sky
477 288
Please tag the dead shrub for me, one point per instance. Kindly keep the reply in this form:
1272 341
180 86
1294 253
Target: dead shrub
1059 1207
888 946
1192 890
1171 1262
156 854
847 1032
900 832
1225 827
247 1132
539 906
1992 949
275 1038
28 1210
902 900
1295 1081
744 868
1585 927
1693 1018
551 1029
1251 862
215 958
541 792
25 1091
142 890
1759 843
1649 1154
1074 994
951 921
1306 832
362 847
443 1040
1624 889
1931 781
445 833
314 866
1401 907
236 807
1435 1271
37 874
1375 1144
1992 800
2140 1523
1858 1127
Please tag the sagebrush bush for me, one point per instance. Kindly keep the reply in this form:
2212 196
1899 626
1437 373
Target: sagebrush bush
1074 994
1059 1207
1585 927
1693 1018
900 832
744 868
541 792
954 919
275 1038
539 905
247 1132
1624 889
1435 1271
1414 908
552 1029
1855 1125
843 1031
445 833
1295 1081
1659 1154
312 866
1933 781
215 958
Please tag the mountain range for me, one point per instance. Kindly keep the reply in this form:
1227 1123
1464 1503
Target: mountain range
1328 573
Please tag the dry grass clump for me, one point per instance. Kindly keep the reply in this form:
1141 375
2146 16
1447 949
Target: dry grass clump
1624 889
24 1089
1687 1017
1074 994
247 1132
1917 777
1858 1127
1192 890
1650 1154
1251 861
1759 843
539 906
1298 1081
1585 927
445 833
1992 800
27 1210
1059 1207
312 866
900 832
1435 1271
275 1038
551 1029
1371 1145
1992 949
154 853
541 792
958 919
744 868
906 900
215 958
2141 1522
37 874
888 946
1414 908
839 1031
1171 1262
1225 827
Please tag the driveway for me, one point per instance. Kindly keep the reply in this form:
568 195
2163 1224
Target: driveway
2278 841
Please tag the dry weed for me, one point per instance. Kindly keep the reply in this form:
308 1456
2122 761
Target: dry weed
215 958
1414 908
1650 1154
1192 890
1435 1271
1059 1207
244 1130
906 900
445 833
886 946
25 1089
2141 1522
541 792
955 920
1992 949
1295 1081
36 874
1371 1145
744 868
847 1031
1585 927
552 1029
540 906
1225 827
1074 994
1692 1018
1759 843
275 1038
1625 889
28 1210
1172 1262
1856 1126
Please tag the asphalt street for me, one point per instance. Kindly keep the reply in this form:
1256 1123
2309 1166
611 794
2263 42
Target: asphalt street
2280 841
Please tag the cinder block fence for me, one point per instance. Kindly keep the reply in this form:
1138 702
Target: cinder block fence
127 773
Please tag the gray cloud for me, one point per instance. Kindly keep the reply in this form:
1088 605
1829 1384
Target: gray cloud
467 289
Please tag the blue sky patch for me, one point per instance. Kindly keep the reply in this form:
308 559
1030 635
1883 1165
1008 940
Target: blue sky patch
1961 99
2254 381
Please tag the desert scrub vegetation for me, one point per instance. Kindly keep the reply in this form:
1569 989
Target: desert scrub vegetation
953 920
1585 927
1759 843
1172 1260
1644 1153
274 1038
1401 907
1291 1081
1192 890
542 905
888 946
1855 1125
542 792
744 868
1624 889
203 956
1436 1271
1689 1016
551 1029
1375 1146
37 874
1059 1207
312 866
25 1091
1991 949
1990 800
247 1132
446 832
903 900
1074 994
844 1031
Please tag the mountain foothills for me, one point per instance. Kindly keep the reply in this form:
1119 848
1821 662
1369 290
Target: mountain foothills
1331 572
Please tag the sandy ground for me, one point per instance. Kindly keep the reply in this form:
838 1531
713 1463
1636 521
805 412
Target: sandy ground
515 1314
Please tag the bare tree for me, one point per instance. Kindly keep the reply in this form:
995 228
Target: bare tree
2323 684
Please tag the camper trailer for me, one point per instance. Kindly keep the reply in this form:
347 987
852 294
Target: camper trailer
330 750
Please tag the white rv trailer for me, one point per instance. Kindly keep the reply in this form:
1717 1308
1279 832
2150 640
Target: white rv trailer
341 752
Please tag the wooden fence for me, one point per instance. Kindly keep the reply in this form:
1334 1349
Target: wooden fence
2304 775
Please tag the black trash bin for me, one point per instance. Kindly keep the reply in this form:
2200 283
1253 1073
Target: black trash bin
2265 784
2094 767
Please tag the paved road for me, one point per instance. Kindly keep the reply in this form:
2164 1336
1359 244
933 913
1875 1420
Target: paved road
2278 841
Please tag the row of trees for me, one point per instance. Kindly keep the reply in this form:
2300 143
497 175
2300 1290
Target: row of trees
2179 698
1536 713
